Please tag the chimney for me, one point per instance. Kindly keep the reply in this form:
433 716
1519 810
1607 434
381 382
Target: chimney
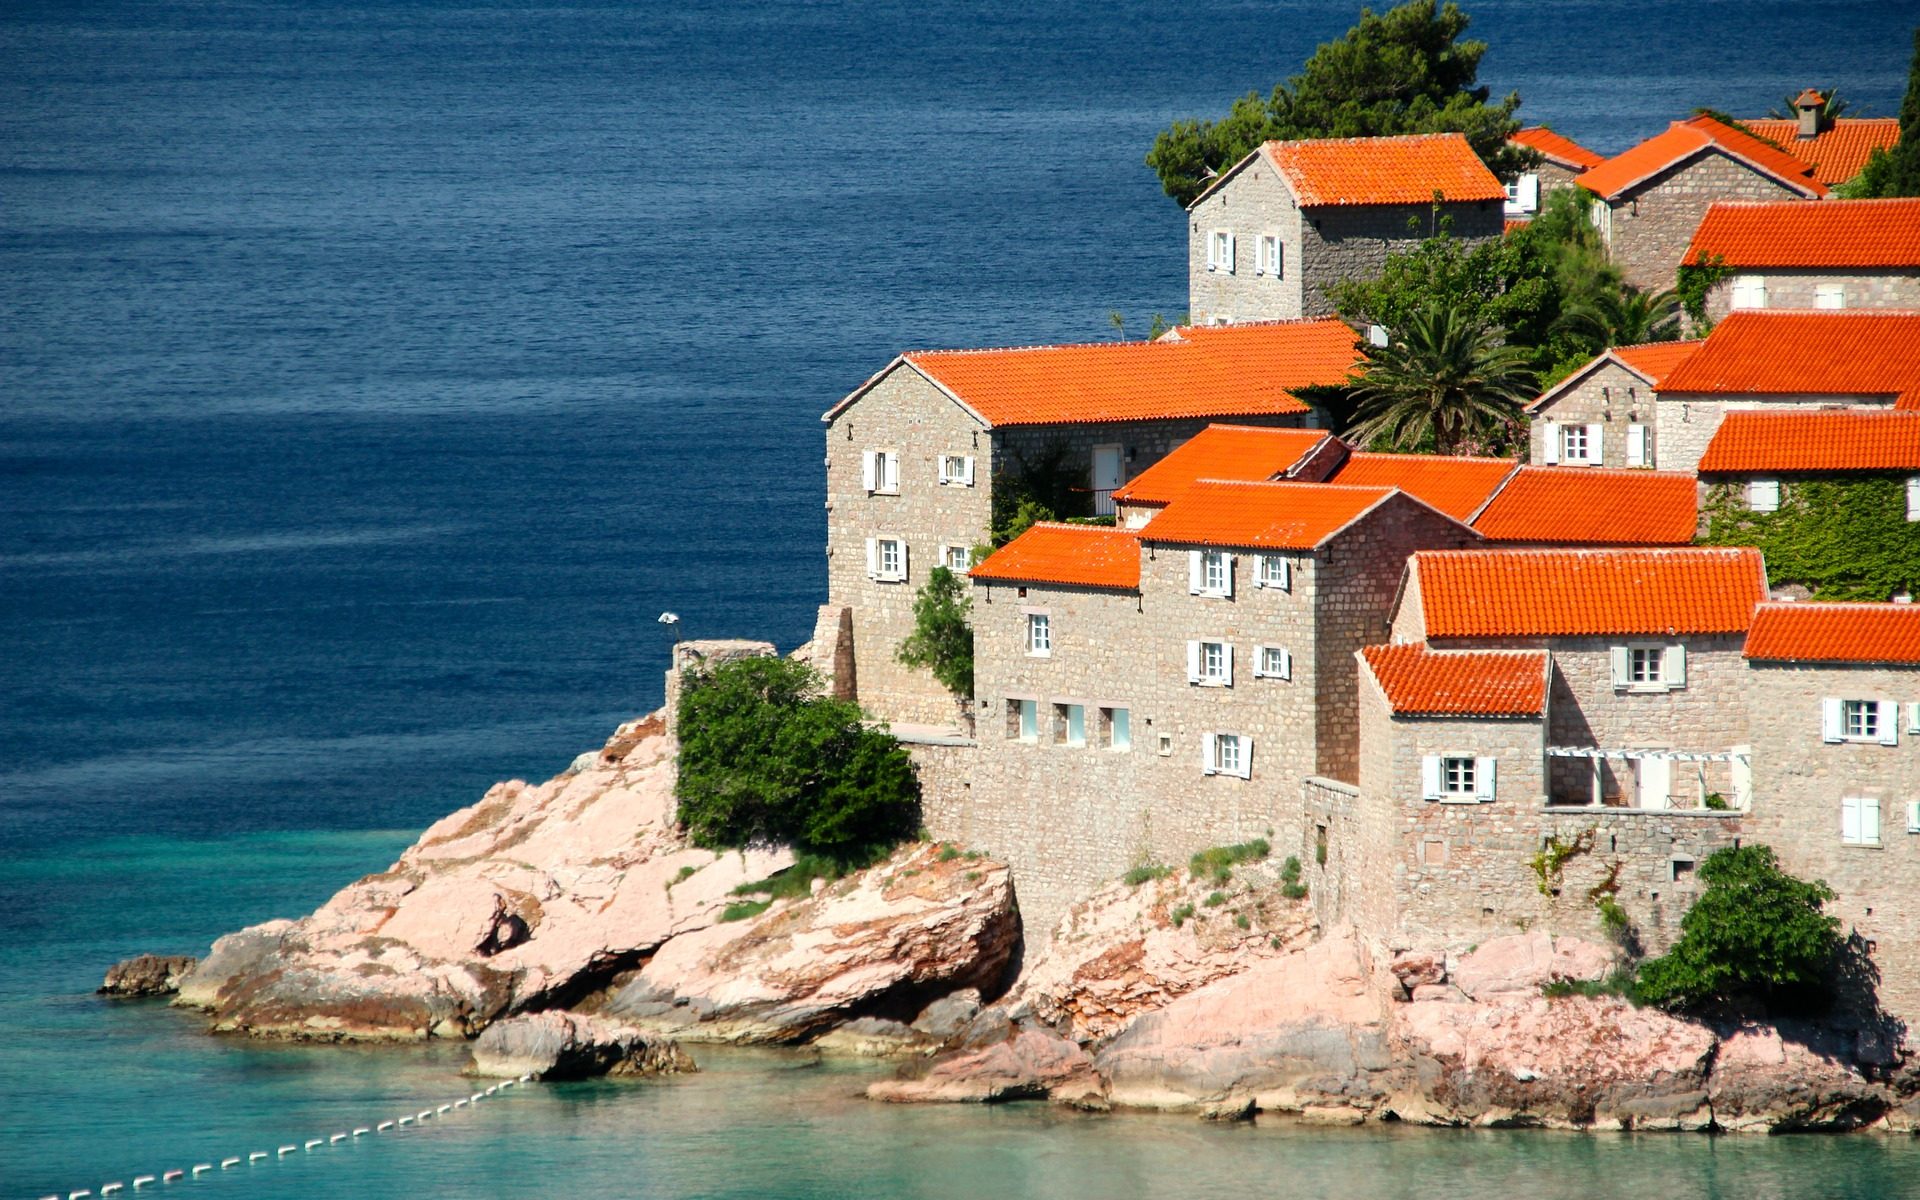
1812 106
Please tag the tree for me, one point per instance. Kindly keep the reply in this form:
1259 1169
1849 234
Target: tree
1895 172
1623 315
766 757
1445 380
1401 71
1830 108
942 640
1755 932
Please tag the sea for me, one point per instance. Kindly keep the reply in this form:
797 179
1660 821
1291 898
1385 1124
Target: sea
374 376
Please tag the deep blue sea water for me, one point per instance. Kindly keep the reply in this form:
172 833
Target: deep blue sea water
371 376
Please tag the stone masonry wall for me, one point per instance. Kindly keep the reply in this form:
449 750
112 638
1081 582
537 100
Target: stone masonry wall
1353 241
1610 396
1797 289
1649 228
1252 203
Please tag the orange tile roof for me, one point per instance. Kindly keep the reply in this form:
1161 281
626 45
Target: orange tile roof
1651 361
1846 352
1421 682
1514 225
1383 170
1839 151
1574 593
1792 233
1825 440
1283 516
1224 371
1836 633
1244 452
1593 506
1081 555
1684 139
1455 486
1558 149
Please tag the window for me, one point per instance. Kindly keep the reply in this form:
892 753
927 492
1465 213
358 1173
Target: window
1220 250
1210 573
1749 291
1116 728
1457 778
1576 443
958 559
1650 668
1227 754
1644 665
1023 720
1166 745
1070 725
956 470
1829 295
1267 257
1210 664
1273 571
1039 634
1763 495
1860 821
1272 662
887 559
1860 721
880 472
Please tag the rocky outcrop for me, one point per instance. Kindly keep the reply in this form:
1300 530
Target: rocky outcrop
562 1045
147 975
1006 1062
880 944
1780 1079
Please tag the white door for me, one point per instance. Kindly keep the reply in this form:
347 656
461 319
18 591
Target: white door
1106 477
1656 782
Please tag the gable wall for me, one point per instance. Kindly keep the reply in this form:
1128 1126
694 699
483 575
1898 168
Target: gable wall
1340 242
1650 226
1254 202
1610 396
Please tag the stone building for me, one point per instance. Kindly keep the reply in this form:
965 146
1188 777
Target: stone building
1836 148
1762 456
1846 254
1561 160
1653 195
915 454
1312 213
1603 414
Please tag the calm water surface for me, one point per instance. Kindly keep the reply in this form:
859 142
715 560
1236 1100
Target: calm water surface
371 376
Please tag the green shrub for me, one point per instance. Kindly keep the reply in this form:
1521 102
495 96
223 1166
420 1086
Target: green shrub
1219 862
765 757
1181 914
1240 920
942 639
1290 885
1755 932
949 852
797 880
743 910
1216 899
1145 873
1620 983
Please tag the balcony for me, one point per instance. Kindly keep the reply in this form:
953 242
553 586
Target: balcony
1650 779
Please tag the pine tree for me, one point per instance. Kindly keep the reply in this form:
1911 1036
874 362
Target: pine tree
1896 172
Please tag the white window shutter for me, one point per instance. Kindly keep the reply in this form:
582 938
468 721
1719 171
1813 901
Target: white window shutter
1193 662
1870 822
1595 434
1831 727
1763 495
1286 664
1529 191
1207 757
1194 576
1619 657
1246 758
1233 255
1226 571
1550 445
1213 258
873 558
1260 571
1636 445
1483 785
893 471
1913 716
1673 666
1286 575
1889 723
1850 820
868 460
1430 777
1228 647
966 470
905 572
1913 498
1913 816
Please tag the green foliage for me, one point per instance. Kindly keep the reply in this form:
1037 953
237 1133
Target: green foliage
1218 863
1835 104
1619 983
1290 885
1241 921
765 757
1145 873
797 880
1181 915
1401 71
1215 899
744 909
1550 863
942 638
1716 802
1895 172
949 852
1444 381
1692 283
1755 931
1048 485
1623 316
1843 539
681 876
1613 918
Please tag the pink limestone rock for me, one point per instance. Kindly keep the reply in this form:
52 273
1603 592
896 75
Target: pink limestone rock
1520 964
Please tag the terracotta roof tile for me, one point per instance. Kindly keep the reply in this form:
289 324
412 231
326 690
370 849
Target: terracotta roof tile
1383 170
1839 151
1558 149
1513 225
1593 506
1836 633
1243 452
1455 486
1792 233
1684 139
1418 681
1850 352
1571 593
1286 516
1082 555
1825 440
1225 371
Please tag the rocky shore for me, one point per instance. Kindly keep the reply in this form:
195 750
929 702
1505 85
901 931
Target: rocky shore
572 930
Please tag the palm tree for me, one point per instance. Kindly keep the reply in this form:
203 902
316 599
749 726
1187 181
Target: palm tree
1789 107
1622 316
1444 378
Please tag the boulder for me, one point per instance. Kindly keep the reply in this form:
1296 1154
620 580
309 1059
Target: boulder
1521 963
1769 1079
1026 1064
241 953
563 1045
880 943
1416 969
147 975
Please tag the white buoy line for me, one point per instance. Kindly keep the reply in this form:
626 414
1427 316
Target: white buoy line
252 1158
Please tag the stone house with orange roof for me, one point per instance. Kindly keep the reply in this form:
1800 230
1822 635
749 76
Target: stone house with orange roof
915 454
1836 148
1603 414
1561 160
1846 254
1653 195
1268 237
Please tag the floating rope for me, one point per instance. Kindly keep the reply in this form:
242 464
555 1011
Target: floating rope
252 1158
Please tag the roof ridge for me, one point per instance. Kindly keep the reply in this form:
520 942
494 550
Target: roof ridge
1350 141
